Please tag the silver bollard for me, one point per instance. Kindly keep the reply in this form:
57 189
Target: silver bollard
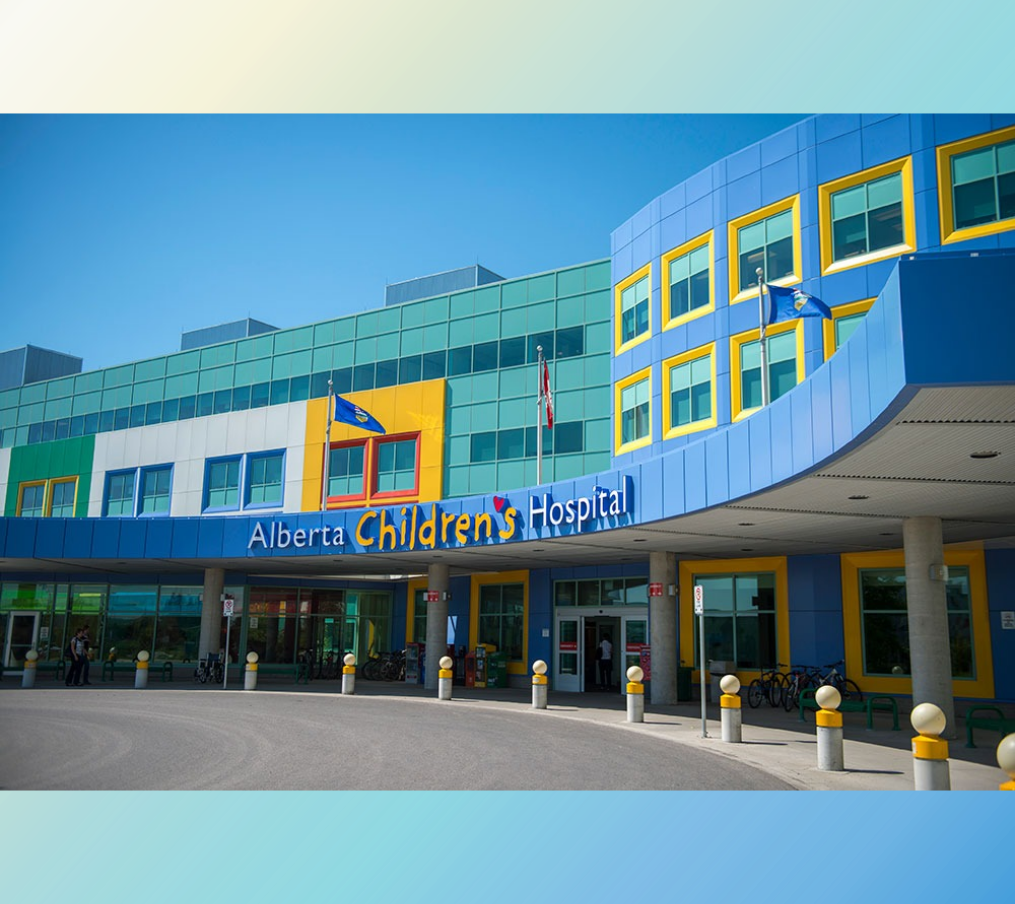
1006 760
444 678
349 674
729 707
141 675
539 684
635 694
31 669
250 673
829 719
931 771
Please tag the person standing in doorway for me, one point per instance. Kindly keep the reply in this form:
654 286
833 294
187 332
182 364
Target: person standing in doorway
605 663
76 655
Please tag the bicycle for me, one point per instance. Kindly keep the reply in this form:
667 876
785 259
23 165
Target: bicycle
848 688
770 686
209 669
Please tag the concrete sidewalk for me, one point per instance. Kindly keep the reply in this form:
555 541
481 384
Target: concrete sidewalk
774 741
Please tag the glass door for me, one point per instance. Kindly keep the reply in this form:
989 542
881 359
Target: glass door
634 630
22 636
567 673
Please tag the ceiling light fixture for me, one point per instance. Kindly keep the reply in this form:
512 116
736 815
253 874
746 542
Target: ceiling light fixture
859 497
984 454
746 524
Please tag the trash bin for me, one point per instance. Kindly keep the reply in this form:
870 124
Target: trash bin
496 670
684 685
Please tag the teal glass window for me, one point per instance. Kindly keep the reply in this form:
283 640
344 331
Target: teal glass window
502 618
634 412
484 447
345 470
512 351
33 501
782 370
846 326
386 374
983 185
767 244
434 365
120 494
511 443
570 342
867 217
396 466
691 392
62 505
410 369
690 282
740 619
264 479
484 357
155 489
222 484
634 310
570 437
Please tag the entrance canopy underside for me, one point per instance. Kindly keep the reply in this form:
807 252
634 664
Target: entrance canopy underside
922 463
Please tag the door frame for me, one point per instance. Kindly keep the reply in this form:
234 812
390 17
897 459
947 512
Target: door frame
35 615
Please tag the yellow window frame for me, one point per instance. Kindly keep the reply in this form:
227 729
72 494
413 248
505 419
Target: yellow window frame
844 310
669 321
619 446
903 165
945 153
28 484
742 339
618 327
514 667
669 430
982 685
733 248
52 487
771 565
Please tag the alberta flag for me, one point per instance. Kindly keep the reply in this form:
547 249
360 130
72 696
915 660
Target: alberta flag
788 304
347 413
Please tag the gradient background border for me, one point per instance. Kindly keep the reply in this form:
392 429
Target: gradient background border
552 56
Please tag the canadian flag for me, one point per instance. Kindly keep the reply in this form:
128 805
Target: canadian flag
548 396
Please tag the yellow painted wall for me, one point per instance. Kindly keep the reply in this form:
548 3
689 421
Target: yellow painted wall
411 408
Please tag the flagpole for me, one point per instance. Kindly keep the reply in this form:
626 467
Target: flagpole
539 415
327 451
764 351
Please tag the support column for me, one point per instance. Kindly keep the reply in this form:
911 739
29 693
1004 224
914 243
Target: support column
929 647
438 580
211 612
662 619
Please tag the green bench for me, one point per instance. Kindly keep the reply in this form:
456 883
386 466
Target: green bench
995 721
869 706
299 671
110 669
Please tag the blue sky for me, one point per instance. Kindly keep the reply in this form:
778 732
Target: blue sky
118 233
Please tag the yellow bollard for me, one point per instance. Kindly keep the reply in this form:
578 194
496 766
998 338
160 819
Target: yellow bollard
931 771
31 668
635 694
444 677
1006 760
829 719
141 675
730 711
539 684
250 674
349 674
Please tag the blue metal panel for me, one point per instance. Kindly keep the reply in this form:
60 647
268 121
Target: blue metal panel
49 536
867 119
924 173
717 468
185 538
807 168
950 127
821 413
743 162
803 443
810 251
699 216
779 146
673 230
159 541
21 538
651 478
760 428
779 180
859 391
781 416
744 195
672 201
886 140
834 125
842 415
623 263
77 538
738 441
694 477
673 482
921 131
641 221
928 229
720 212
839 157
877 275
12 368
106 539
623 234
844 287
132 538
700 331
641 249
699 185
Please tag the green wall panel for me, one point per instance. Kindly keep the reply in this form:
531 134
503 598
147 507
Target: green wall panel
63 458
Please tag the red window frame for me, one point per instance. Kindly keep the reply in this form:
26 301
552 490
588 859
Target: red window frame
377 442
352 497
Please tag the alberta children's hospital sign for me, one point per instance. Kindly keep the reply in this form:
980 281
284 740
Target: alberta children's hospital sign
417 527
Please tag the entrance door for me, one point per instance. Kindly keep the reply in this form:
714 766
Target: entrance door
22 636
568 653
634 630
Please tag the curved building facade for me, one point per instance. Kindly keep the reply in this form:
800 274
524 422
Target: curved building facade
866 513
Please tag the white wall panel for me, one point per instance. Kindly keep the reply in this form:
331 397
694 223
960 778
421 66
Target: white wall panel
5 470
256 420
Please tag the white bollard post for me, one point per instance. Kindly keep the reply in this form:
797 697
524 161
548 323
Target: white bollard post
141 675
829 720
729 707
444 678
1006 760
539 684
250 674
635 694
931 771
349 674
31 668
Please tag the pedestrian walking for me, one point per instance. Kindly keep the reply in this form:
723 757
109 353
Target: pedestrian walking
76 657
86 662
606 663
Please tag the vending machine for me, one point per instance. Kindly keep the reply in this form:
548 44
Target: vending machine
414 657
480 679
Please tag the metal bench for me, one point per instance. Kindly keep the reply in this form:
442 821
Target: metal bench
869 706
996 721
111 667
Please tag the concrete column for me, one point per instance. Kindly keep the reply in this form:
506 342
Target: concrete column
662 619
929 648
211 612
439 580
